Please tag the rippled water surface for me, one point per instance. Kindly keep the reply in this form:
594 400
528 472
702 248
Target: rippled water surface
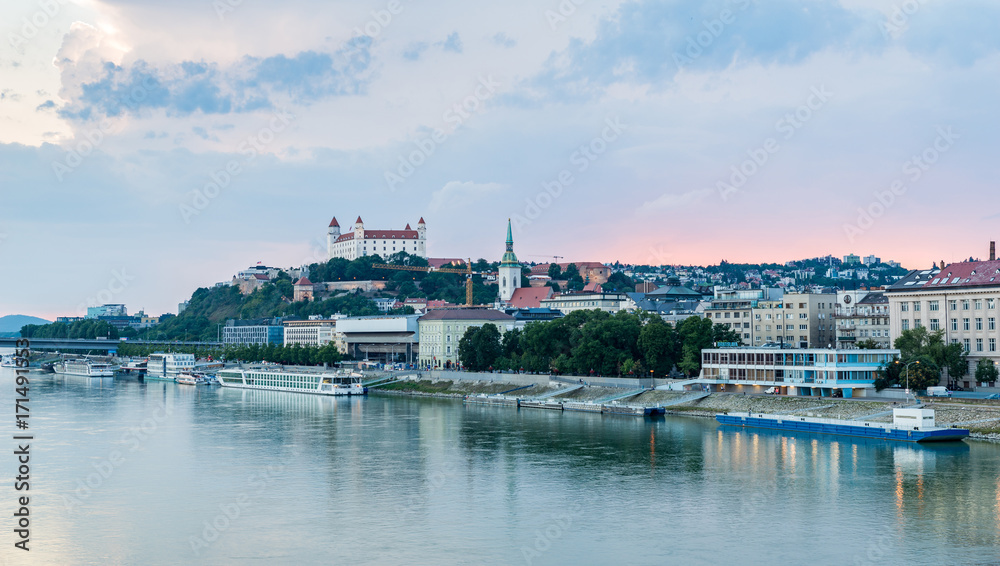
129 473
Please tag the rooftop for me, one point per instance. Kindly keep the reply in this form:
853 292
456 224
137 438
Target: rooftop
465 314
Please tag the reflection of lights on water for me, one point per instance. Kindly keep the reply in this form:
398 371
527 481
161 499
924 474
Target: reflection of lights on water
756 449
998 504
854 458
899 493
652 450
815 453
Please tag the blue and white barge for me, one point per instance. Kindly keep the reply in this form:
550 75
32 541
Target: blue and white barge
908 425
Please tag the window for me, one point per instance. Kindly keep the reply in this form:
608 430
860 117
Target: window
803 327
917 323
767 327
965 304
778 327
979 304
979 323
904 307
991 304
965 344
993 344
953 305
906 325
916 306
757 328
767 317
979 344
992 322
932 305
746 325
935 324
803 315
954 324
965 324
802 305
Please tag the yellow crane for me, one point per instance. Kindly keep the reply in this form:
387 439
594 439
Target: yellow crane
467 272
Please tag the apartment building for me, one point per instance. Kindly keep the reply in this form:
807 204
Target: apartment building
860 316
734 308
799 320
961 300
318 332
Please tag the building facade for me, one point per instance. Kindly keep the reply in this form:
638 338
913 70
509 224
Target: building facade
961 300
607 302
807 372
361 242
861 316
734 308
384 339
316 333
442 329
257 331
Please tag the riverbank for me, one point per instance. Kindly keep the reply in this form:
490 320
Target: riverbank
980 417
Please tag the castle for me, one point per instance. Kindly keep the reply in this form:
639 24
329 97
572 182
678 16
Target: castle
360 242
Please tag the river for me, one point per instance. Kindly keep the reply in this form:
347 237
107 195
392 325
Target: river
124 472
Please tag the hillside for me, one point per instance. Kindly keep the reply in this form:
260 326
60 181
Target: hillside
12 323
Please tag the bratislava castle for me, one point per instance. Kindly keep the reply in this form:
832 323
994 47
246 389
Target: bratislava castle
360 242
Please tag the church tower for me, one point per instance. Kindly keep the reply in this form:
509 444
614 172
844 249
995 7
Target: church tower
509 277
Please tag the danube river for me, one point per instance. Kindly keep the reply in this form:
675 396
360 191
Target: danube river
124 472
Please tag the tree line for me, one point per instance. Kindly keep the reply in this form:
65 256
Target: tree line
593 342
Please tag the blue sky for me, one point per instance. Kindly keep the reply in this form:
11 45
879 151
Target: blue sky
649 132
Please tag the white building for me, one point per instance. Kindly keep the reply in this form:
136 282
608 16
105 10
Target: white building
316 333
360 242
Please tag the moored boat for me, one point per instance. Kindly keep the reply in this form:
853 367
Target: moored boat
186 379
908 425
340 383
85 368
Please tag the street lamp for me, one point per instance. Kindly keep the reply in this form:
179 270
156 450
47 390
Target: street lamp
908 374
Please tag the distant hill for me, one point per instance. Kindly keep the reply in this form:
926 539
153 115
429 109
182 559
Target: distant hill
12 323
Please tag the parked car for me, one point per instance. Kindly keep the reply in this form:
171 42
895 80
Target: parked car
938 391
993 396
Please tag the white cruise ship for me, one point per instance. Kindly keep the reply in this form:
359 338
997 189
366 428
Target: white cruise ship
316 383
167 367
85 368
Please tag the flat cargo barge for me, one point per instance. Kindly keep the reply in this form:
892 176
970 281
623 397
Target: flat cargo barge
909 425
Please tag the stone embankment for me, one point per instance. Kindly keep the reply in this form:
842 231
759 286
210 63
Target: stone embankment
981 417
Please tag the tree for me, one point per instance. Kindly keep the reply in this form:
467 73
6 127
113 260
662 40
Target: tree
659 345
986 371
620 282
555 272
923 373
868 344
480 347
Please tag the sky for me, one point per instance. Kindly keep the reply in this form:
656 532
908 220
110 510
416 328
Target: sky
150 148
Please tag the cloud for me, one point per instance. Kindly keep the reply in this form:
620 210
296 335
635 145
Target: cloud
453 43
457 194
503 40
45 105
415 50
651 41
197 86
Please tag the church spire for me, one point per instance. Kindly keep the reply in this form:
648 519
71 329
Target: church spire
508 257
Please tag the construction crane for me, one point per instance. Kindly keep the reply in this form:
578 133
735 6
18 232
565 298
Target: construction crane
552 256
467 272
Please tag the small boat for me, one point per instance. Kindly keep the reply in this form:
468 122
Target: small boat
8 361
186 379
48 367
908 425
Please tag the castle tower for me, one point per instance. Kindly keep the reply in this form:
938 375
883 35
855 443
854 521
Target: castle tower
332 233
421 238
509 276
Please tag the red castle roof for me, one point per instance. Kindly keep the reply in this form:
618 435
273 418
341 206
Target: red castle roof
303 281
334 222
